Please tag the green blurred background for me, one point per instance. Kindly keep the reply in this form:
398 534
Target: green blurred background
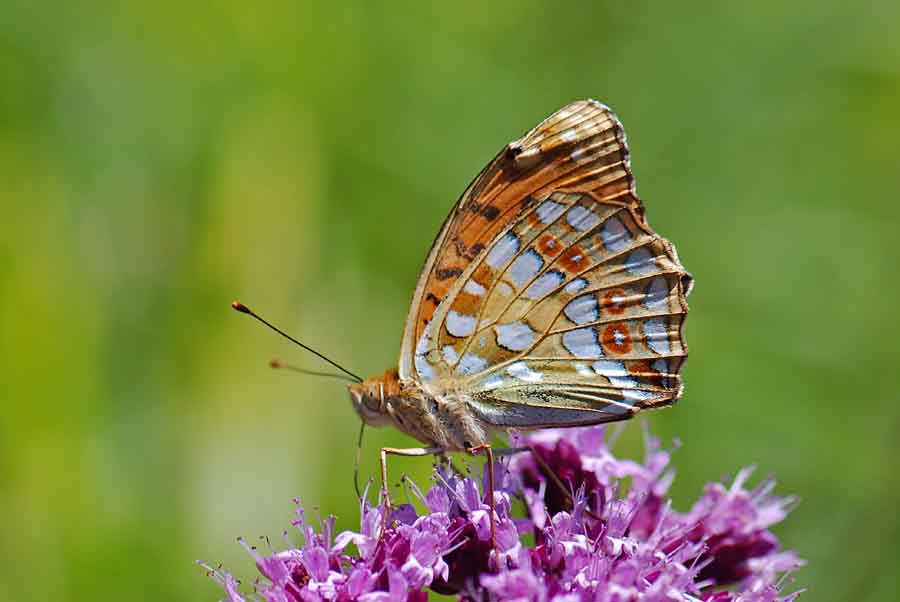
158 160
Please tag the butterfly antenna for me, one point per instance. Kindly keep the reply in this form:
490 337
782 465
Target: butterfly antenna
238 306
282 366
362 427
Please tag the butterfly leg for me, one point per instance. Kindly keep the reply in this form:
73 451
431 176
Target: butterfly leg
488 451
410 451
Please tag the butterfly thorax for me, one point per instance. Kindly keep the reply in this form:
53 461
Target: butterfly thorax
437 420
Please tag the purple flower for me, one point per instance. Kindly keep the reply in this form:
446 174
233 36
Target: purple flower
593 538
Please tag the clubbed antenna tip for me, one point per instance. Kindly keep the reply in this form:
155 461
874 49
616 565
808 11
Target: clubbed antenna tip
238 306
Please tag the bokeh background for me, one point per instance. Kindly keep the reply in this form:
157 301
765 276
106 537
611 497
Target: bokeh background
159 159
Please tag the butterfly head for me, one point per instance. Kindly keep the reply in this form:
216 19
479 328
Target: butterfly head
370 397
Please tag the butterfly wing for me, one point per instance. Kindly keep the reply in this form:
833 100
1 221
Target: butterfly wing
500 194
546 298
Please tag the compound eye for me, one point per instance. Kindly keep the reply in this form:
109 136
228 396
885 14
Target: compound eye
372 404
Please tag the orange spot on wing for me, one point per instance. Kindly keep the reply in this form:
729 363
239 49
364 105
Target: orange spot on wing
643 370
615 338
549 246
466 303
483 275
639 367
574 259
609 304
426 312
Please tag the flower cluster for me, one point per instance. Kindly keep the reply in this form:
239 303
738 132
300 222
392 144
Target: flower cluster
591 537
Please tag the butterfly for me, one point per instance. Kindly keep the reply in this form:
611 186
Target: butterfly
546 300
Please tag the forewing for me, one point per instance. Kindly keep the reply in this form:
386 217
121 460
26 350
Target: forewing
547 299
